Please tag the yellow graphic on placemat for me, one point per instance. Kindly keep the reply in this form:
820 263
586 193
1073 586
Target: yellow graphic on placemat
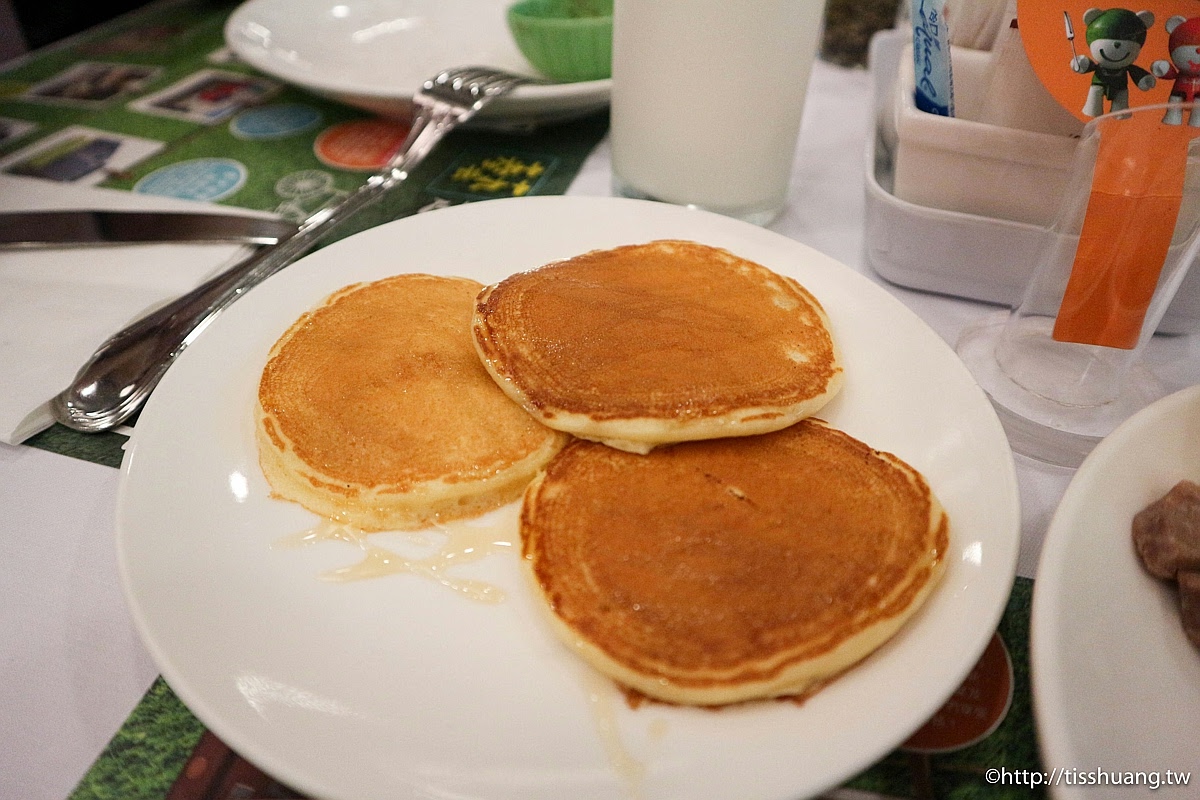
1094 61
475 177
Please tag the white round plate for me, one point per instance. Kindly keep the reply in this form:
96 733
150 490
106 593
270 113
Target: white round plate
374 54
1116 684
400 688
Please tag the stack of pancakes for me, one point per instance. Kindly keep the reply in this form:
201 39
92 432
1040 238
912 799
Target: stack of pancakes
701 538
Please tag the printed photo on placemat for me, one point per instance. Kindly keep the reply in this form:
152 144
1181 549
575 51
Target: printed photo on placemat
13 129
92 84
79 154
207 97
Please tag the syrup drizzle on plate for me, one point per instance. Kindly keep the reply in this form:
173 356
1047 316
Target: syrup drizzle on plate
464 542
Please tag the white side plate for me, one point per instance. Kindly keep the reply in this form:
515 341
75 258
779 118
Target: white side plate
374 54
1116 684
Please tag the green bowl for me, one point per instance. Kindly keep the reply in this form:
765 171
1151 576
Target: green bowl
565 40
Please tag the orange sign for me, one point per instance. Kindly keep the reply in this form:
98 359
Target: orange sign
975 710
365 144
1100 60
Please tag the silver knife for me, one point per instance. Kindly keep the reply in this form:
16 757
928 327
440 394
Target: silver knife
84 227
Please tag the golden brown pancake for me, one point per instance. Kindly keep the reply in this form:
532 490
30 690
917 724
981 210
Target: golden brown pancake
714 572
373 410
655 343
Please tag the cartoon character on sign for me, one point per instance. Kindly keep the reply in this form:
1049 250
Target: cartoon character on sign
1115 38
1183 68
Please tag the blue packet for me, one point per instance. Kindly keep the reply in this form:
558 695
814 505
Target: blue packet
934 81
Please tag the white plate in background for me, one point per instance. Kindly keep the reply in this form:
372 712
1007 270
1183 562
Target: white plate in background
374 54
399 687
1116 683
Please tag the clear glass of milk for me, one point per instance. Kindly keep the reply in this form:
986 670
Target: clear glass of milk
706 100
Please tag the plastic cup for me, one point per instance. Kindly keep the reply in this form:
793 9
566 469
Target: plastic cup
1065 366
707 99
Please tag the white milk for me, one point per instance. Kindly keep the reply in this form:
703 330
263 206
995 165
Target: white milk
706 100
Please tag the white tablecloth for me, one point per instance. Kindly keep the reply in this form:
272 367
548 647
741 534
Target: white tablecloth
71 665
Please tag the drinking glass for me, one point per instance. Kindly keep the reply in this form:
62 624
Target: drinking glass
707 97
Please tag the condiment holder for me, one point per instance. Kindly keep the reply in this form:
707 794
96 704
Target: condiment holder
963 206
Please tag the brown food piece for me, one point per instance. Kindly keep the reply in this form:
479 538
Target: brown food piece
1166 533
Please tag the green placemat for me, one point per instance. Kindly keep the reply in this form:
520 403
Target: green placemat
148 753
98 448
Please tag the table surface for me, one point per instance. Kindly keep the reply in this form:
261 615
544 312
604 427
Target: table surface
73 666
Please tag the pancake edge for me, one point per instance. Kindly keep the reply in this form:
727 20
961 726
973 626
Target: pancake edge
422 505
799 679
642 434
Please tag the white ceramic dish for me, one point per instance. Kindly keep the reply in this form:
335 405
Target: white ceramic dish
1116 684
400 688
374 54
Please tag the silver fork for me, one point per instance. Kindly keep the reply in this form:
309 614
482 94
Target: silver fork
125 369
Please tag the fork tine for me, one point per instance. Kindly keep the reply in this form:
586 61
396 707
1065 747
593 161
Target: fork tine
467 75
452 97
469 72
452 78
467 85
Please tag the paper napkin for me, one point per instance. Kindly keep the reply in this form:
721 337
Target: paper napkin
58 305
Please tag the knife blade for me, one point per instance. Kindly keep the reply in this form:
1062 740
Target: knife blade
88 227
